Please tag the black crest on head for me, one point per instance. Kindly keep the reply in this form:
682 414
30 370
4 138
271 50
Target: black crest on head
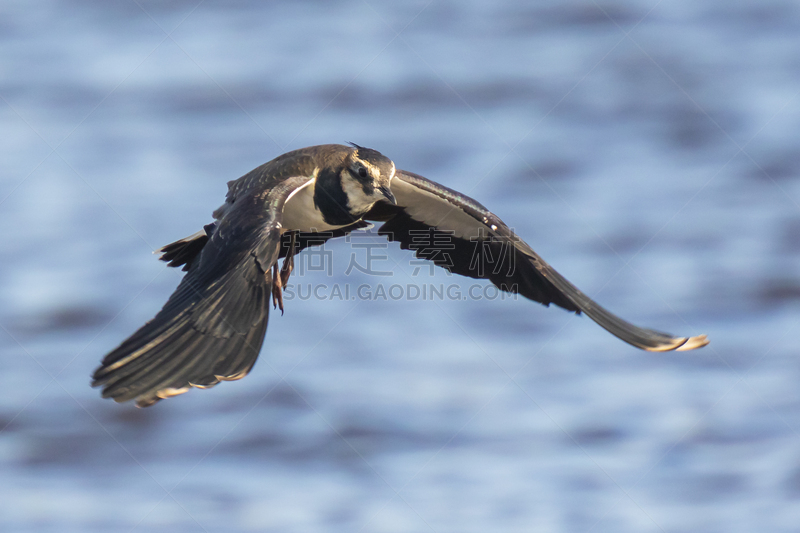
368 154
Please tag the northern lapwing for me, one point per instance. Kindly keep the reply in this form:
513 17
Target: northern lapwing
212 327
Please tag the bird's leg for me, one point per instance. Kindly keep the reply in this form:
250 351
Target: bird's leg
288 261
277 288
280 278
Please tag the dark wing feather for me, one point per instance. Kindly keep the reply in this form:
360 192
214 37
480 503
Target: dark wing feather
212 327
184 251
459 234
305 239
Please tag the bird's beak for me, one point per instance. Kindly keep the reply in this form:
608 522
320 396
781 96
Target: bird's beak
388 195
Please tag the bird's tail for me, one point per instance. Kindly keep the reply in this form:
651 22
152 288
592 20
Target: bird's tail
184 251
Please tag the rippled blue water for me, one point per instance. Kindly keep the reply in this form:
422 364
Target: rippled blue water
647 149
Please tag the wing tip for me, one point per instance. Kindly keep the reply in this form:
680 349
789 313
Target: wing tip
692 343
146 400
151 398
679 344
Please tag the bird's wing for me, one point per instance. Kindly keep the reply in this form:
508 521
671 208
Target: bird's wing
459 234
212 327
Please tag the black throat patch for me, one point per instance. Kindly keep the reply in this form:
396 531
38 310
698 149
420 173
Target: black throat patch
331 200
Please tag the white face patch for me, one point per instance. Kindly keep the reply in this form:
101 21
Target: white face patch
356 199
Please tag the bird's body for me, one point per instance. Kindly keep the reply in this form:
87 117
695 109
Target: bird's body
325 199
213 326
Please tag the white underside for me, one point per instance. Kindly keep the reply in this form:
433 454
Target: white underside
300 213
433 210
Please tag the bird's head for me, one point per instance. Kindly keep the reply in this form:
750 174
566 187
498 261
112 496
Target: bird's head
366 178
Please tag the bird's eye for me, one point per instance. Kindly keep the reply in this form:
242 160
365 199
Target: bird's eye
362 172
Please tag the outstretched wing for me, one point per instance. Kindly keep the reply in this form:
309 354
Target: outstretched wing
459 234
184 251
212 327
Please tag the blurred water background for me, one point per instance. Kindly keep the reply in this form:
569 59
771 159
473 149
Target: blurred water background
649 150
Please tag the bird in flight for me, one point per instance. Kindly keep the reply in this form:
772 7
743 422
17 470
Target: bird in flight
212 327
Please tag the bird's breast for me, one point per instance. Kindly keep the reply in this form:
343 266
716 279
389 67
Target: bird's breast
300 212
